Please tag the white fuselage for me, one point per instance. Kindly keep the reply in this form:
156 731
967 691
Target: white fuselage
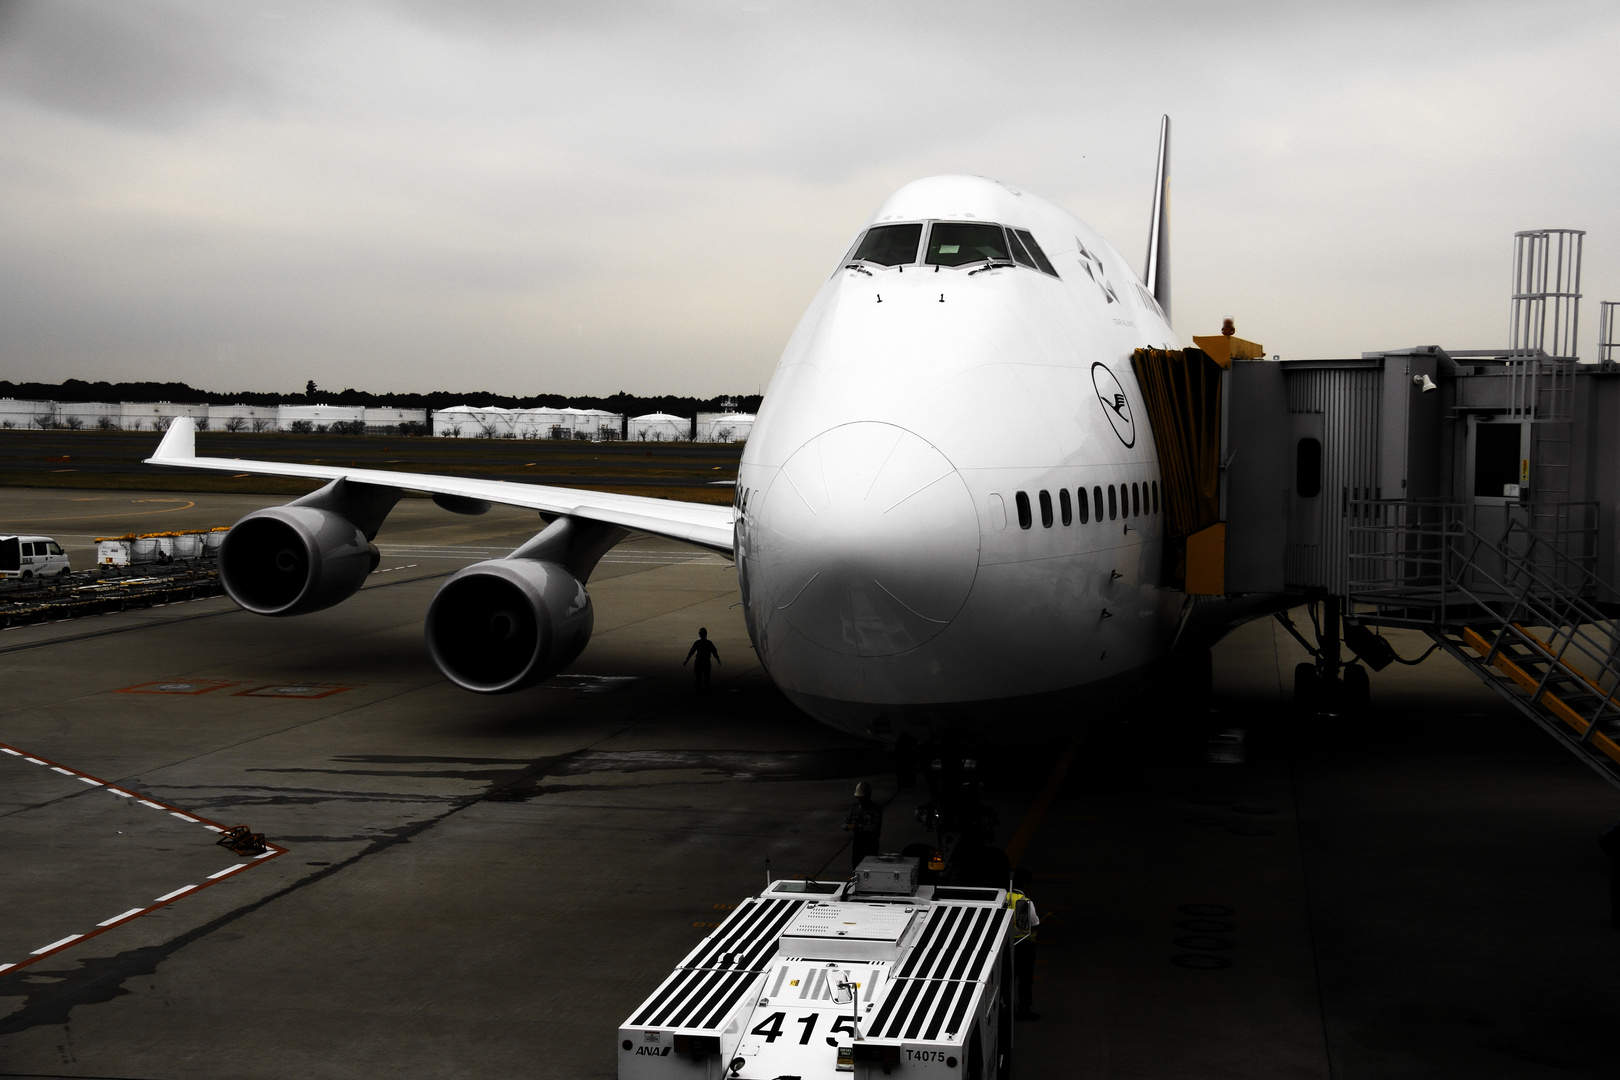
887 581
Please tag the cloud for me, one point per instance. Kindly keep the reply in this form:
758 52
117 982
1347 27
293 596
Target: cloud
585 198
137 63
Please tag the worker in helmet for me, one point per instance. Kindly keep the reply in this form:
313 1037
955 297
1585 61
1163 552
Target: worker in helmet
1025 924
864 823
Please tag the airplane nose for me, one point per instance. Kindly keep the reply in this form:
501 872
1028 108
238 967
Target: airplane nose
866 542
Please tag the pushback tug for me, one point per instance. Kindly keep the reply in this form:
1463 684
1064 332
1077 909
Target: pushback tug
834 979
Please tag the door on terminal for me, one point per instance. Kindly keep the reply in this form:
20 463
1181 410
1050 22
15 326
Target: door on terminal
1498 457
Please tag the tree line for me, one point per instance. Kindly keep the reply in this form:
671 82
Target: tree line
76 390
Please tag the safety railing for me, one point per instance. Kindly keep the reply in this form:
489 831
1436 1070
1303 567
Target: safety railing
1403 553
1422 564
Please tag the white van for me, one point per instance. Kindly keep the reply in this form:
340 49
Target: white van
31 557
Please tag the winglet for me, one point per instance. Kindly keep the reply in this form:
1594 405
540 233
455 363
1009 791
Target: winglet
179 442
1156 274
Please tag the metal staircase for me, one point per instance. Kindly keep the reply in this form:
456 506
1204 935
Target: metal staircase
1518 611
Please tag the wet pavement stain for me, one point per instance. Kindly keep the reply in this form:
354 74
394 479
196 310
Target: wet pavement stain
833 764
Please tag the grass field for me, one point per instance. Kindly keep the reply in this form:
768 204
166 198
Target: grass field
112 460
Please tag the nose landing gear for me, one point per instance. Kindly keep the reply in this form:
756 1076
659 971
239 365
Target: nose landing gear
963 826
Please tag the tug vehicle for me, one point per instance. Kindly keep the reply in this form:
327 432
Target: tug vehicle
838 979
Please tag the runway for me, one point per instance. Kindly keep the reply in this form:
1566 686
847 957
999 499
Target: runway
464 886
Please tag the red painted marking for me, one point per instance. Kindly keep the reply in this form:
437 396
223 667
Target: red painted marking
276 850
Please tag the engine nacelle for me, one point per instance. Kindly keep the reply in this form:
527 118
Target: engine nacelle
506 624
290 560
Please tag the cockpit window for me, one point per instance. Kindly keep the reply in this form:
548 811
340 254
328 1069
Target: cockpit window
952 243
889 245
1027 239
1020 256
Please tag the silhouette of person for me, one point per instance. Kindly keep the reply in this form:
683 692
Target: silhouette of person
702 649
864 822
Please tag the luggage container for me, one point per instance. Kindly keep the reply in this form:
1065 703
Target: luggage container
112 551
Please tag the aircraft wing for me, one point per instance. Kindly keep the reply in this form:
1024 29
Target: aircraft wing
697 523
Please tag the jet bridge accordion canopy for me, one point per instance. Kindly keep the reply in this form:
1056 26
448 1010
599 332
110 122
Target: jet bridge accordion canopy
1182 389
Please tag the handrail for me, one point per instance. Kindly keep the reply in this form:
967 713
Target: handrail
1433 555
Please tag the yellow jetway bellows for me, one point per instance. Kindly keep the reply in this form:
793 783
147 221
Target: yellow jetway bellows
1182 391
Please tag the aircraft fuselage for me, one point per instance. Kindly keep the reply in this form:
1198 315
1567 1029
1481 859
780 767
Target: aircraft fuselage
924 411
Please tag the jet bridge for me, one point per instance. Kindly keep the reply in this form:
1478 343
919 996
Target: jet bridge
1467 493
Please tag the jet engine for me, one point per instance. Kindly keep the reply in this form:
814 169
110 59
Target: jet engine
507 624
290 560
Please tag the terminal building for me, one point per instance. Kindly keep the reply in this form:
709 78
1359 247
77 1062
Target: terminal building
659 427
455 422
158 415
723 427
495 422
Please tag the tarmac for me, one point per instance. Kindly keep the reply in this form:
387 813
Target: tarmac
466 886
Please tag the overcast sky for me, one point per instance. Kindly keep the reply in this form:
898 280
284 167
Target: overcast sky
584 198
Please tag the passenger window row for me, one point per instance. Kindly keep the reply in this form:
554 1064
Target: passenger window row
951 243
1123 501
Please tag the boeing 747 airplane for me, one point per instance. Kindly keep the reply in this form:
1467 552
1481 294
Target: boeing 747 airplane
905 567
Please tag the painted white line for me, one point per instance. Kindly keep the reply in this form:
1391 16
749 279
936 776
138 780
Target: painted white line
182 817
178 892
55 944
35 760
121 793
64 772
13 753
87 780
7 967
153 805
227 870
121 918
266 855
213 828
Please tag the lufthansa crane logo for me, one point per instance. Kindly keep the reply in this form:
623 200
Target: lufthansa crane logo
1111 395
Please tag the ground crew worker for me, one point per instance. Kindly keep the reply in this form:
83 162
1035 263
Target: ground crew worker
702 649
864 822
1025 923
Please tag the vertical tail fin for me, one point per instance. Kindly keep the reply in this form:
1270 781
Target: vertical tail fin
1156 274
